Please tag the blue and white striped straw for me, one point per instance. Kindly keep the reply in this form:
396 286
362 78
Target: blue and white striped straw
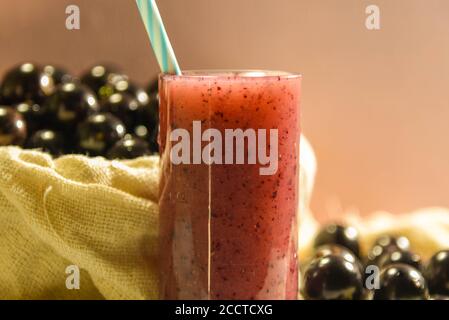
158 36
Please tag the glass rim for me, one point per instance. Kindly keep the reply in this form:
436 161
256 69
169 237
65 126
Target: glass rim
231 74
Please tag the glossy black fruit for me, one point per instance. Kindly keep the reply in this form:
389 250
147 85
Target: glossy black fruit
58 74
122 84
148 126
12 127
99 133
398 256
48 141
34 115
150 112
26 82
332 277
71 104
387 244
401 282
145 124
150 136
334 249
129 148
437 273
97 78
341 235
125 107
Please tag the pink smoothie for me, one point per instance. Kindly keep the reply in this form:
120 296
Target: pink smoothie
226 231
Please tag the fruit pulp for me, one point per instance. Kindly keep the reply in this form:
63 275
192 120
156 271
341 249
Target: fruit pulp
226 231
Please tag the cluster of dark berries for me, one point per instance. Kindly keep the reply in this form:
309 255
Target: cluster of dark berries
101 113
390 271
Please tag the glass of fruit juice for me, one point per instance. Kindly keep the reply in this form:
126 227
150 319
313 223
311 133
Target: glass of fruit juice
229 184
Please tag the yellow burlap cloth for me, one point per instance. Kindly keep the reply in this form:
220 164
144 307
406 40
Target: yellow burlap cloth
93 213
102 217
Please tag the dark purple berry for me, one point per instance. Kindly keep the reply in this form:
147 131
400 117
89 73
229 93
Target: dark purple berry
437 273
387 244
26 82
332 277
125 107
147 127
34 115
99 133
71 104
401 282
58 74
12 127
341 235
98 78
48 141
334 249
129 148
122 84
398 256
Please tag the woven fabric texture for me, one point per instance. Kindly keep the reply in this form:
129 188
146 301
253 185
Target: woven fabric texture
96 214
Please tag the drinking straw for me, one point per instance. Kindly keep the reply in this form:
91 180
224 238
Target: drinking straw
158 36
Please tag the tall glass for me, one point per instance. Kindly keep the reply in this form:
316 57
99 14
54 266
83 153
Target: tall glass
229 185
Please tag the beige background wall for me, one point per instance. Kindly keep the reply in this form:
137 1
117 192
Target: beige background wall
375 103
